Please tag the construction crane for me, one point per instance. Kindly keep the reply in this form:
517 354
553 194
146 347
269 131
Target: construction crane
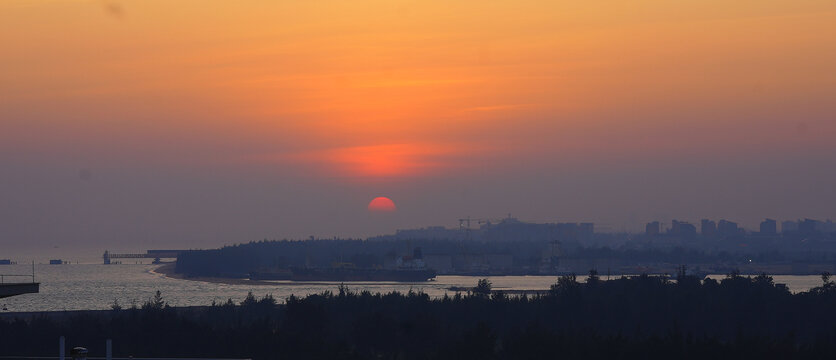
462 227
464 224
464 221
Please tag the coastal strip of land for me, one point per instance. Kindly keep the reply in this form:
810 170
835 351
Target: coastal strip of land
167 270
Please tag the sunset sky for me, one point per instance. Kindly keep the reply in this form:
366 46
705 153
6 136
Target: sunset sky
142 124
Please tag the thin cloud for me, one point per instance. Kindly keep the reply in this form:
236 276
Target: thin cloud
499 107
114 9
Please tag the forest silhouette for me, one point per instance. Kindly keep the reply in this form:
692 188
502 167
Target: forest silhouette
647 317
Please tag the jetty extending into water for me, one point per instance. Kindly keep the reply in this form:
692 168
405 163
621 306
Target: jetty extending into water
149 254
10 285
12 289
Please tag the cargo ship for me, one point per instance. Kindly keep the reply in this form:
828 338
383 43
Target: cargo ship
408 269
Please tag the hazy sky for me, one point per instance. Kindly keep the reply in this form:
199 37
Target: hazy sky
151 124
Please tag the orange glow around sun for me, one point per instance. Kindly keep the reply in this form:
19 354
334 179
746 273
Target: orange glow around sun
382 204
384 160
388 90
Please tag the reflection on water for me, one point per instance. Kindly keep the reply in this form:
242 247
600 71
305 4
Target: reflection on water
88 286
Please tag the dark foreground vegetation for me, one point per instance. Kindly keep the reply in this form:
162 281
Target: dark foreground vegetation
629 318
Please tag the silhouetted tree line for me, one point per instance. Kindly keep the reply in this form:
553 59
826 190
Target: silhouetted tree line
240 260
642 317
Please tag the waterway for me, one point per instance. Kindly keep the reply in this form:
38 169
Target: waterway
93 286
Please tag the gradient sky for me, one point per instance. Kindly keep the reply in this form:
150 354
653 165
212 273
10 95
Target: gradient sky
152 124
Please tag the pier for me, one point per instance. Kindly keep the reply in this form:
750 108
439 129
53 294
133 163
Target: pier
10 287
149 254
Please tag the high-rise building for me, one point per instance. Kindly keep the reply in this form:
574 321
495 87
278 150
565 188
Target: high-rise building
789 226
652 228
727 228
683 229
687 230
808 226
708 228
769 227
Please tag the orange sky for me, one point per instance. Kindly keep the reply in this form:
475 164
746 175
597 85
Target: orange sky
369 88
390 91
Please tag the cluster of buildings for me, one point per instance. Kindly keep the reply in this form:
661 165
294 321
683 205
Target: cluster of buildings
510 230
509 246
808 226
494 246
726 228
502 230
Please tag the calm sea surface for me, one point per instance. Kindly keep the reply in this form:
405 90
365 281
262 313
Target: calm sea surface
89 287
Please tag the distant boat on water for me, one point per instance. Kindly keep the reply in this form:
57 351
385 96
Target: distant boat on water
56 262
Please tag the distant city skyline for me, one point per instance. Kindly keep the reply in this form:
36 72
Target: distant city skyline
703 227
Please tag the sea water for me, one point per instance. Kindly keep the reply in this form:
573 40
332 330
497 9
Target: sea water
99 287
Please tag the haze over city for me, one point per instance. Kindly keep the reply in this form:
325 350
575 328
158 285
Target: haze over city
148 124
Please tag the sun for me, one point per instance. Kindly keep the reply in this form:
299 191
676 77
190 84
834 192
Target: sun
382 204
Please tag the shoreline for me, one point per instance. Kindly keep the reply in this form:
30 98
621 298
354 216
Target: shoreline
167 270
